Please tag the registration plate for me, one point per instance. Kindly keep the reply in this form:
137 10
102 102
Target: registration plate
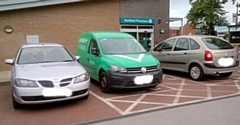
53 92
140 80
226 61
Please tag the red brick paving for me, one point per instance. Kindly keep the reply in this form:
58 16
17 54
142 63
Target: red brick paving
175 89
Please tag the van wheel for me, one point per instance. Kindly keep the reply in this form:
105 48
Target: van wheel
196 72
16 105
225 74
104 83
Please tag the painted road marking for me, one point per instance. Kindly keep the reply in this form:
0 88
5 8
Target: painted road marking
162 92
179 92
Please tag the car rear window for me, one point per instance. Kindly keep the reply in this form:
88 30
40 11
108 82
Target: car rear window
216 43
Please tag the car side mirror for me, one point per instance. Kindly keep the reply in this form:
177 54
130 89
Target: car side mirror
94 51
9 61
77 58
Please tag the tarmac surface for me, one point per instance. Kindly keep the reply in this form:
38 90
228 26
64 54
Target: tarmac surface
176 90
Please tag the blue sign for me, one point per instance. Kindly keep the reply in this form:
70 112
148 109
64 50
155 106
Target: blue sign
149 21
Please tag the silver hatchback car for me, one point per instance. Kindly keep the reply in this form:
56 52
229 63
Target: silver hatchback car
46 72
197 55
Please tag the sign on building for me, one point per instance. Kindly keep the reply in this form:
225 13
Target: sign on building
32 38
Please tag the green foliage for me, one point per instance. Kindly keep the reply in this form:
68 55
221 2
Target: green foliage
206 14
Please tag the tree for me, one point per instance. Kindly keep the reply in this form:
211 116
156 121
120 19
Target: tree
206 14
233 1
223 21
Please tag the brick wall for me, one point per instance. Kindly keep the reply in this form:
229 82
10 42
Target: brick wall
187 30
57 23
173 33
148 9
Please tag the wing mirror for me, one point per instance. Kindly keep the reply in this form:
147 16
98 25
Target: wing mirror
77 58
9 61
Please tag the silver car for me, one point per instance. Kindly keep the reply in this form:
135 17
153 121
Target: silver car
46 72
197 55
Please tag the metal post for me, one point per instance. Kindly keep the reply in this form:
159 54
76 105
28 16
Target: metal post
237 14
182 26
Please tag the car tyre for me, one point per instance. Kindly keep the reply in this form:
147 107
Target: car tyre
16 105
104 83
225 74
196 72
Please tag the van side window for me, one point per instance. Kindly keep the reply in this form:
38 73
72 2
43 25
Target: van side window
93 48
194 45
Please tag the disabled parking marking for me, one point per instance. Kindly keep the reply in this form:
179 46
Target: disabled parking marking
237 85
209 93
179 92
177 89
107 102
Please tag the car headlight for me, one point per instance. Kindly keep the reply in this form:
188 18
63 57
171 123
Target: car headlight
159 66
117 69
81 78
25 83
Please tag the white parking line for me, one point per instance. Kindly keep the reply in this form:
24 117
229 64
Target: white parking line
108 103
179 92
237 85
134 104
209 92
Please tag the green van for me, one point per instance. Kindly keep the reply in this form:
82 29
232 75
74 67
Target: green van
117 60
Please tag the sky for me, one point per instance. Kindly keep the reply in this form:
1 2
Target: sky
180 9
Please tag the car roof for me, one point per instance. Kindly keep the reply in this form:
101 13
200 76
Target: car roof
110 34
194 36
40 44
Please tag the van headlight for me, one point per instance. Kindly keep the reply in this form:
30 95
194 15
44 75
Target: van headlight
25 83
159 66
81 78
117 69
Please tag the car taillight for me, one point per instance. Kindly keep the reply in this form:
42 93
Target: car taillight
208 56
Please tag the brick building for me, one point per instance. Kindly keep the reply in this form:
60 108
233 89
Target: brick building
174 31
63 21
188 30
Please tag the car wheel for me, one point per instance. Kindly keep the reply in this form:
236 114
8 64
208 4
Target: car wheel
225 74
16 105
196 72
104 83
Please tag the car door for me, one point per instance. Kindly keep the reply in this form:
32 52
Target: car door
162 51
93 59
180 55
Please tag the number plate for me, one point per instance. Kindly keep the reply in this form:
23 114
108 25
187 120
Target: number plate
57 92
226 61
146 79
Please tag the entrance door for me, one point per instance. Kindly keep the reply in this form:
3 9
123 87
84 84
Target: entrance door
143 33
145 40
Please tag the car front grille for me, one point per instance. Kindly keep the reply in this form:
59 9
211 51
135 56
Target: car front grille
138 69
65 82
42 98
47 84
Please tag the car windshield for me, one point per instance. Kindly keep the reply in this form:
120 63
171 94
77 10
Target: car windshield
44 55
217 43
121 46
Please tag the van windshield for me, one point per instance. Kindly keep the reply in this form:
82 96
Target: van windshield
216 43
121 46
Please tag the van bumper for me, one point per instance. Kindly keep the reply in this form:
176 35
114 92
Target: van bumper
126 80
